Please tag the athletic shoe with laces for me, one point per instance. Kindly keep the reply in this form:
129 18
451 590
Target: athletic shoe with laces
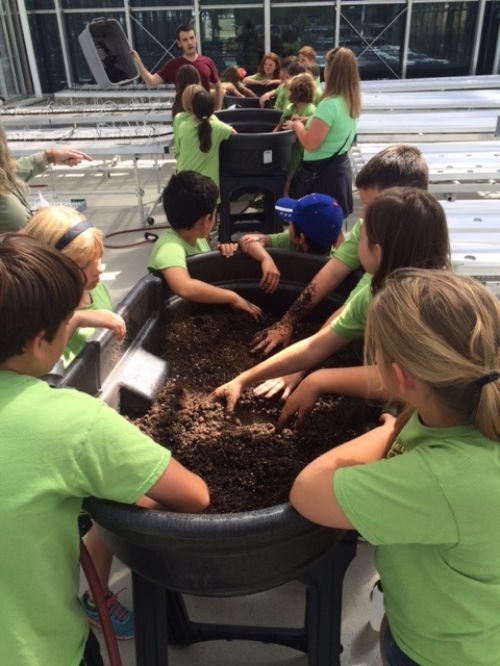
121 618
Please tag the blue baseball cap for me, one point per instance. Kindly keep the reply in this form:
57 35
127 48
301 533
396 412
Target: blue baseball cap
317 216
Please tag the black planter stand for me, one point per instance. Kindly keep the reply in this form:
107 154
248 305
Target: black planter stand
271 186
161 616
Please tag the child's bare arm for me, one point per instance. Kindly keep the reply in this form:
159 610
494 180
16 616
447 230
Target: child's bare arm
312 493
328 278
178 489
98 319
302 355
358 382
255 246
182 284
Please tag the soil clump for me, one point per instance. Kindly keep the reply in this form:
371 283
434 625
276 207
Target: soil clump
246 464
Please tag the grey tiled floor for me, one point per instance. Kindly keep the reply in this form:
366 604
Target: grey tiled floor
123 268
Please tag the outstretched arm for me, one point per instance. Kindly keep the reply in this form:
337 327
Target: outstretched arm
151 80
302 355
178 489
182 284
328 278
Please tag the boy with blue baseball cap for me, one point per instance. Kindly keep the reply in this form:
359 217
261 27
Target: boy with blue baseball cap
315 226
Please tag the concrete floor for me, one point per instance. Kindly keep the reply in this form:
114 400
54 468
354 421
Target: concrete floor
123 268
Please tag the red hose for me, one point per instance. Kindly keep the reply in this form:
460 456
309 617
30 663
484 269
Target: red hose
100 601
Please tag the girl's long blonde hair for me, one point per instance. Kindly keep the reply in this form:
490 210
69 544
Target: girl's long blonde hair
444 330
342 79
50 224
8 176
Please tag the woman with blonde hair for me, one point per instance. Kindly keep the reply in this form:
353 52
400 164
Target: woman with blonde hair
15 210
68 231
424 488
327 137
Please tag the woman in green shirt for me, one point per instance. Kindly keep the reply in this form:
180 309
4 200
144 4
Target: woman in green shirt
327 137
15 210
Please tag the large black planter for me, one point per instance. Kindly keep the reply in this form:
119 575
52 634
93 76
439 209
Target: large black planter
211 555
253 160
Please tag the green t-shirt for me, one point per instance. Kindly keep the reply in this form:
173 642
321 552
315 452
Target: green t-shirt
281 100
171 251
14 208
347 253
191 157
282 241
433 513
318 93
291 110
333 111
100 300
58 447
352 320
260 77
176 123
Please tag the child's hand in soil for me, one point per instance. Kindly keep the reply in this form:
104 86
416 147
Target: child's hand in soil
301 402
230 393
242 304
227 249
272 387
277 335
270 276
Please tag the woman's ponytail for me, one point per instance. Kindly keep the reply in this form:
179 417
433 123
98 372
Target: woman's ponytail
203 108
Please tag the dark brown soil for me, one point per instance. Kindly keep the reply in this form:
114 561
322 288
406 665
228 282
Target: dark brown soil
246 464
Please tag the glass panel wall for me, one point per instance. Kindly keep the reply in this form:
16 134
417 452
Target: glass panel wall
233 32
491 33
233 36
48 52
160 25
375 33
293 27
441 38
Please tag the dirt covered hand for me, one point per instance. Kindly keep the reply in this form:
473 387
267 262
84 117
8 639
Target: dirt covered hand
301 402
240 303
229 393
285 384
277 335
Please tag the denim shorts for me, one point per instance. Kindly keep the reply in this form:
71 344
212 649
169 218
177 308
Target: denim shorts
393 654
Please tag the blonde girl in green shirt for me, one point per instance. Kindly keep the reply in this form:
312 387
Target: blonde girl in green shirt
403 227
424 488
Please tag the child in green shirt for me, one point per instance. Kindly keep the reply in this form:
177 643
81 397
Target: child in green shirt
315 224
69 232
403 227
58 447
301 107
190 203
280 94
398 165
267 73
198 138
424 488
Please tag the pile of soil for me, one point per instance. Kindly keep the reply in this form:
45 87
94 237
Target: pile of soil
245 463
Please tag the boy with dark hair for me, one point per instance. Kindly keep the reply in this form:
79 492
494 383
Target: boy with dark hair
398 165
187 42
58 447
315 224
190 203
